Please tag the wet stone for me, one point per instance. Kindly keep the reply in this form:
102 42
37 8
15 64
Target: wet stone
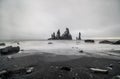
97 70
116 77
80 51
65 68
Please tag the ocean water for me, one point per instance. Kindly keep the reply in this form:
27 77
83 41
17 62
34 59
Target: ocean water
66 47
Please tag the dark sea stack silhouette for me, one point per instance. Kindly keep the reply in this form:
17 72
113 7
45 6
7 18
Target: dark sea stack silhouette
9 50
64 68
79 37
117 42
52 36
105 42
58 34
65 36
89 41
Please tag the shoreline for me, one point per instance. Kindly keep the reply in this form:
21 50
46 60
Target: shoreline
61 60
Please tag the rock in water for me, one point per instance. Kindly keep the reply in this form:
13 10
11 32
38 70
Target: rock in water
80 51
18 43
9 57
2 44
106 42
89 41
50 43
9 50
65 68
117 42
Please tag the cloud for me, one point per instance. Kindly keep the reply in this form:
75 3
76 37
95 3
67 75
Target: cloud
22 19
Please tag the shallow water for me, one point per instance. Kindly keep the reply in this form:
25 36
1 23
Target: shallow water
65 47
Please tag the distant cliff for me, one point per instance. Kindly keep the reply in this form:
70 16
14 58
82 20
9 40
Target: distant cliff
65 36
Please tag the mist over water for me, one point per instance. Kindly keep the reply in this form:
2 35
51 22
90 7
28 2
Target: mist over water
65 47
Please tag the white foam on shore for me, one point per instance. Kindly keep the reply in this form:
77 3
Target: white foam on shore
65 47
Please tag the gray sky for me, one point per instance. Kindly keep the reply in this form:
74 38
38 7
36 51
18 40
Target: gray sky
37 19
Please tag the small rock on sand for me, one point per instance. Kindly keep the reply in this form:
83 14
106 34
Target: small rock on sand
60 76
80 51
110 68
111 65
9 57
50 43
18 43
29 70
116 77
65 68
97 70
3 72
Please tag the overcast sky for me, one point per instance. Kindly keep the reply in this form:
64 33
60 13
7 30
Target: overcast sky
37 19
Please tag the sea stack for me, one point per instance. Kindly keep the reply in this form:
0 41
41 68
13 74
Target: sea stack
65 36
53 36
79 37
58 34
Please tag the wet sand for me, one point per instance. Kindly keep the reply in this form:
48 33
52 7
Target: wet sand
48 66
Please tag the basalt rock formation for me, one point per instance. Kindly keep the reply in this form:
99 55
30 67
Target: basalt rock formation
9 50
79 37
65 36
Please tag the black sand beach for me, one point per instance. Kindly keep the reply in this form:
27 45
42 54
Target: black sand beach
50 66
